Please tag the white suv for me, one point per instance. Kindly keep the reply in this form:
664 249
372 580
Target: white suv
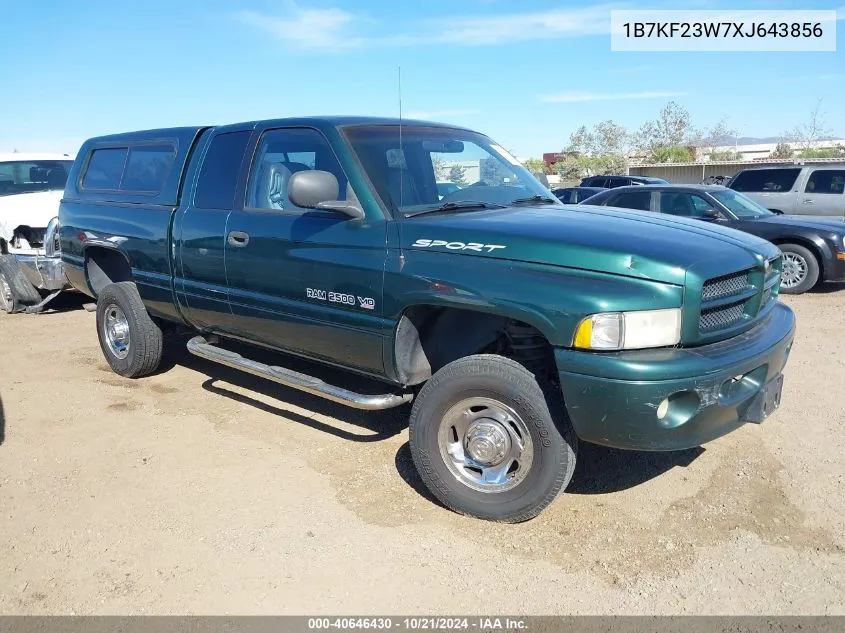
31 186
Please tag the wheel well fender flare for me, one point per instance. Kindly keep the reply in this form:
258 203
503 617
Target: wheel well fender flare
430 335
105 263
820 252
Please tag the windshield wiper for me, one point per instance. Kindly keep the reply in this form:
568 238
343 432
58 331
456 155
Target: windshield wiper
454 206
536 199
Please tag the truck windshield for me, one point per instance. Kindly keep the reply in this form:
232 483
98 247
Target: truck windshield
26 176
426 167
741 206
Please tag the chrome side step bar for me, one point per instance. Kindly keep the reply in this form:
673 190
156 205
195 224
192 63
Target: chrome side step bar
198 346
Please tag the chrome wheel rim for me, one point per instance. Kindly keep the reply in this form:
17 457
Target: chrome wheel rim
116 331
485 445
794 270
6 299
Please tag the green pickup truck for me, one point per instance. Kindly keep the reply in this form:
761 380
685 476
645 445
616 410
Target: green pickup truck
514 325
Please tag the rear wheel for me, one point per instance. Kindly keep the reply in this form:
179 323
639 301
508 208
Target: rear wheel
800 269
489 442
130 339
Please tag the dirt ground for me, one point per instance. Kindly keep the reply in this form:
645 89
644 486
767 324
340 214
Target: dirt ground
200 490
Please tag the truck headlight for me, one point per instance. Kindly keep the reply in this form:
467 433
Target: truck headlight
629 330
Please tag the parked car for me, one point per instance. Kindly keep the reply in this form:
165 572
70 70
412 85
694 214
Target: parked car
795 190
609 182
813 247
573 195
493 310
31 186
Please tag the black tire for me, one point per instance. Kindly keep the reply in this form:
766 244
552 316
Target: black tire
811 275
20 292
554 443
144 346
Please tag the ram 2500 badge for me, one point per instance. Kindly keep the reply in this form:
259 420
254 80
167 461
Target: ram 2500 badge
514 325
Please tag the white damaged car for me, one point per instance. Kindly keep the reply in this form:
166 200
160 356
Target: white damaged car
31 187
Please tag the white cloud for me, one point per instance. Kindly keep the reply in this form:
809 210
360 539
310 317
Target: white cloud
335 29
521 27
583 97
310 29
440 114
831 76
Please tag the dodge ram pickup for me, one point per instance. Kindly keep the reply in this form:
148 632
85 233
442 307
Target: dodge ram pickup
513 324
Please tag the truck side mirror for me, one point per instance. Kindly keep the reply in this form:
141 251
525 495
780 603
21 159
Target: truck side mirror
316 189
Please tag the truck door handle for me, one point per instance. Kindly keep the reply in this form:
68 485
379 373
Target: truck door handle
238 239
807 201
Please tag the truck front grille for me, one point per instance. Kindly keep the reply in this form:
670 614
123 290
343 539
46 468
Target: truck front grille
725 286
721 317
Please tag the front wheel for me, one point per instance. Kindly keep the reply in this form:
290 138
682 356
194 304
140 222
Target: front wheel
130 339
489 442
800 270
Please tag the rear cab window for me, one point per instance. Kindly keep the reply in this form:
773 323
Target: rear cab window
143 167
218 177
147 167
139 169
105 168
766 180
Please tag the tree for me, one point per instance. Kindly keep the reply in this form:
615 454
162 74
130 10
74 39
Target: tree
607 137
814 130
724 155
827 152
535 165
571 168
782 150
457 175
672 127
720 135
440 171
601 150
671 154
668 137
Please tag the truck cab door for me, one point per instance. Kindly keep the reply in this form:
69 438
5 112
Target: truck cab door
823 193
199 230
306 281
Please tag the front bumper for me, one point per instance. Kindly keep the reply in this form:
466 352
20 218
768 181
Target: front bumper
835 269
612 399
45 273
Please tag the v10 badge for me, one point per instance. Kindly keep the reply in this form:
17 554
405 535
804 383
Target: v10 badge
365 303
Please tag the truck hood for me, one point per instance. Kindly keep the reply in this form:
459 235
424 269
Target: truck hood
603 239
28 209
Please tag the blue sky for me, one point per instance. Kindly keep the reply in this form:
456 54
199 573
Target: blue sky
526 72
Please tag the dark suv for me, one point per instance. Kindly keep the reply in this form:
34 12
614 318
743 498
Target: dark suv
609 182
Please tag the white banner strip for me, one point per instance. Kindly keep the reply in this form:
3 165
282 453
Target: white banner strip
691 30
